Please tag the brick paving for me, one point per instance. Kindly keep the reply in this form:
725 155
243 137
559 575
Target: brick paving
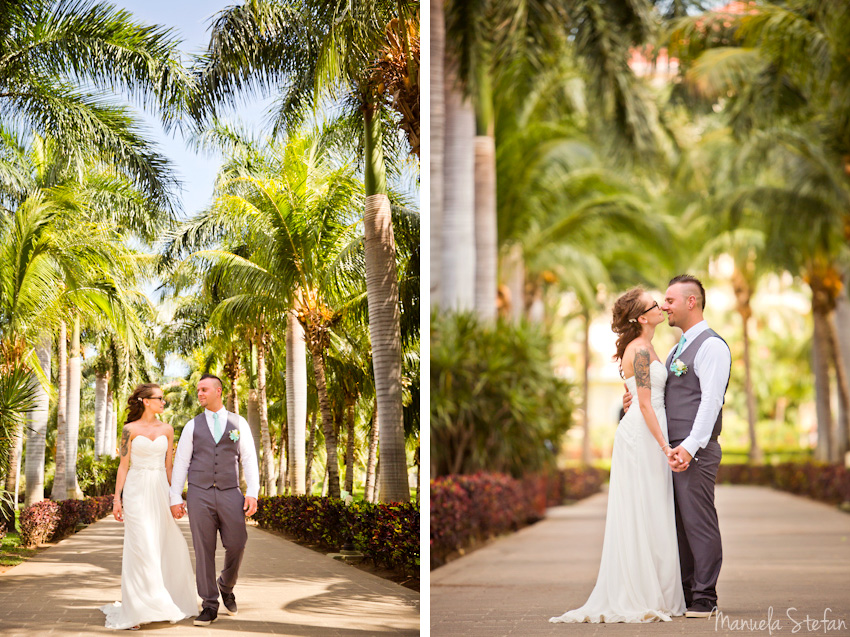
781 551
283 589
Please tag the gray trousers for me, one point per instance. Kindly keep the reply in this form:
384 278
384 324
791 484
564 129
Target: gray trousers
213 511
700 550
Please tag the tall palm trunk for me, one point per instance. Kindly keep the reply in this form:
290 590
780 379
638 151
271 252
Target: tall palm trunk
110 441
14 464
284 473
308 465
102 427
842 321
231 369
437 138
486 233
825 449
843 430
743 294
60 485
585 393
513 279
332 462
384 326
268 458
349 446
457 274
37 433
372 462
74 387
296 401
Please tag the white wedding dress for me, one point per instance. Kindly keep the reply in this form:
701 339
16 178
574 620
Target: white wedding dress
639 578
157 582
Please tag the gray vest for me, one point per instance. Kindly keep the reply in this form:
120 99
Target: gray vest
214 465
683 394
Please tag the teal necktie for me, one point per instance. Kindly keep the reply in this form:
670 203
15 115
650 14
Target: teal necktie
216 427
678 349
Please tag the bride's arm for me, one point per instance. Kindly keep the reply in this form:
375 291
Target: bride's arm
123 468
169 454
644 396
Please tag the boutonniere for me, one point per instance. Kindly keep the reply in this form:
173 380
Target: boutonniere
678 367
234 435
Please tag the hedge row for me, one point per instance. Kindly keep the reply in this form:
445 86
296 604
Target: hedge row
466 509
828 483
49 520
387 534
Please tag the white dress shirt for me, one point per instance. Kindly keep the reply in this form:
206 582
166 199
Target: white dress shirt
183 456
712 365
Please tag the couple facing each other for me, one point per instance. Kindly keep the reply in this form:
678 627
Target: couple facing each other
156 571
663 466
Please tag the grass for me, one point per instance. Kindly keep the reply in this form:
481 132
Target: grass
12 552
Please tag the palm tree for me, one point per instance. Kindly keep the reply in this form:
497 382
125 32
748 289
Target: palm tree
308 51
775 72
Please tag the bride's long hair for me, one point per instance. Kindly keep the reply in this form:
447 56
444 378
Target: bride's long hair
135 406
627 310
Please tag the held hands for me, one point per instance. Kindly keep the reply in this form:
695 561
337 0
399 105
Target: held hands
627 399
178 510
117 510
679 459
250 506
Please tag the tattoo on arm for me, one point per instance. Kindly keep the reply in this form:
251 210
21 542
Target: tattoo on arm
125 441
642 368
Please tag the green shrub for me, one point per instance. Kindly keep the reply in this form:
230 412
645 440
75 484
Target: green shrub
387 534
97 477
496 403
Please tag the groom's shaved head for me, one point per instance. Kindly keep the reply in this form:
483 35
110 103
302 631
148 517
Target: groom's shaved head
216 380
692 286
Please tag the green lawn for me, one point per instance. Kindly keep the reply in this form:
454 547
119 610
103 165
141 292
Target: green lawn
11 551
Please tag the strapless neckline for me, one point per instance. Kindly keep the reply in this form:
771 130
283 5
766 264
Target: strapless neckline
151 439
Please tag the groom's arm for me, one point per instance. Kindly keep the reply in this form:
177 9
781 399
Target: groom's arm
712 365
250 466
181 463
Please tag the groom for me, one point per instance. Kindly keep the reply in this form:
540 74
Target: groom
210 447
698 369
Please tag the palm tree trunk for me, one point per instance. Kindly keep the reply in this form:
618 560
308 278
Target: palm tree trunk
74 387
101 426
825 449
253 419
308 465
14 463
486 233
585 393
349 447
384 327
513 279
37 433
296 401
843 431
111 439
268 459
332 461
457 239
283 474
372 463
437 137
842 320
60 485
755 452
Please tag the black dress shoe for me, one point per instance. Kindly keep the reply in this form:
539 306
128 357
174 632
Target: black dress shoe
702 608
207 617
229 600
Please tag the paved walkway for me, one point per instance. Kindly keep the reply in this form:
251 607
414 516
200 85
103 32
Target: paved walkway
780 551
283 589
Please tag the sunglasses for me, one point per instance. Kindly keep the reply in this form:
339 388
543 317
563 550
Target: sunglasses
651 307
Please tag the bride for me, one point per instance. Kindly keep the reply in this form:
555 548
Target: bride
157 583
639 578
